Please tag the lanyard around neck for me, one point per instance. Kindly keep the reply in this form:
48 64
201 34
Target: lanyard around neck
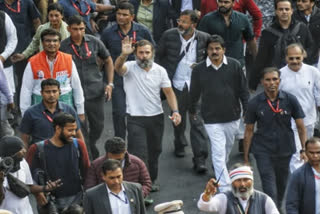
118 197
275 110
88 52
134 36
13 10
79 10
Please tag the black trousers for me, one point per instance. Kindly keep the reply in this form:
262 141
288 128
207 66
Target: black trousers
145 140
198 135
274 173
94 123
119 109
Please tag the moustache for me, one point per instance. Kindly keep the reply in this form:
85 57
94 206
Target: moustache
212 55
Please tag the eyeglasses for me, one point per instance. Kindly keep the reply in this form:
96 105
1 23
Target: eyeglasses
294 58
179 21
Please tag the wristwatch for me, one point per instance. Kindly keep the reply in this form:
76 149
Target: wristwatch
111 84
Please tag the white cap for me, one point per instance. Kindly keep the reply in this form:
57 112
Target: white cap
173 207
241 172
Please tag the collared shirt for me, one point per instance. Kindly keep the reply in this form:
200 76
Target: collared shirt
274 135
83 5
112 37
90 75
145 15
182 75
224 61
23 20
239 28
119 202
35 121
36 44
143 89
186 5
305 86
317 190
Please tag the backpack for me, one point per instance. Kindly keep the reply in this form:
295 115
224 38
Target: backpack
40 147
284 39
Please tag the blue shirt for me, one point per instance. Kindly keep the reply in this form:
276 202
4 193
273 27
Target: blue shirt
83 5
23 21
274 135
112 37
36 121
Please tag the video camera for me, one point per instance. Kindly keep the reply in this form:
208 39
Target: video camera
6 165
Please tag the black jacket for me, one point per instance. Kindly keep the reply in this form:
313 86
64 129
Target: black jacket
169 46
313 24
266 50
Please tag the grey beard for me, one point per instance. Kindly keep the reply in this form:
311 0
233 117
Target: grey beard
241 195
146 63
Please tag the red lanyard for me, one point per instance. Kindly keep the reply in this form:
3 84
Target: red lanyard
13 10
134 34
47 116
317 177
78 9
87 50
277 110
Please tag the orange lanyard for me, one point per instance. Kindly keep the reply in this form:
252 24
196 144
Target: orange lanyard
78 9
13 10
87 50
277 110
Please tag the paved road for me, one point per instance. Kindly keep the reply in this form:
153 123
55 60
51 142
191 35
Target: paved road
176 177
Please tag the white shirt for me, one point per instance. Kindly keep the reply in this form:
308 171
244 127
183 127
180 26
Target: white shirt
182 75
305 85
33 86
143 89
224 61
317 190
119 202
218 205
186 5
12 39
12 202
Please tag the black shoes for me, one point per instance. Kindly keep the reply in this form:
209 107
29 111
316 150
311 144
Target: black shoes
199 165
179 153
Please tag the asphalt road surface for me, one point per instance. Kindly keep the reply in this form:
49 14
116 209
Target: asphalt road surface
176 177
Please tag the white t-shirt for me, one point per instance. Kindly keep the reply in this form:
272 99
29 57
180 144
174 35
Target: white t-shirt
12 202
143 89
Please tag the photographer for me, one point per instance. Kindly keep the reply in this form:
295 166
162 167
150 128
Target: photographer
15 177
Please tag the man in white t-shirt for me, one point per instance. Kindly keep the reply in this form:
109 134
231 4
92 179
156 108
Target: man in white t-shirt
243 198
11 146
303 81
143 80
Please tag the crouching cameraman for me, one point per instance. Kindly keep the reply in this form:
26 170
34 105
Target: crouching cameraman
15 177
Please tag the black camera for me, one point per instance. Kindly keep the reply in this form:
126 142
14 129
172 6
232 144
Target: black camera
6 165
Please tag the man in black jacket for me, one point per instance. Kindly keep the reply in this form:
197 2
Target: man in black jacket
274 39
221 84
178 51
309 14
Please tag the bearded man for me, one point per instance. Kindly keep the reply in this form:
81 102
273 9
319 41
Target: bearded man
178 51
61 157
143 80
242 198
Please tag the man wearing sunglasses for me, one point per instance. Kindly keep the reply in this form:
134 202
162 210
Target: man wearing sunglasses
303 81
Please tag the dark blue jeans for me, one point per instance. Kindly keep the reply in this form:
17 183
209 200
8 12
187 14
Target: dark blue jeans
274 172
145 140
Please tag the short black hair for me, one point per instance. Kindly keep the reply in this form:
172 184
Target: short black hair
124 5
50 82
50 32
110 165
56 6
277 1
142 43
193 15
62 118
76 19
312 140
115 145
216 39
270 70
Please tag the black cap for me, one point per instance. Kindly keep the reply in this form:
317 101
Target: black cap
9 145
